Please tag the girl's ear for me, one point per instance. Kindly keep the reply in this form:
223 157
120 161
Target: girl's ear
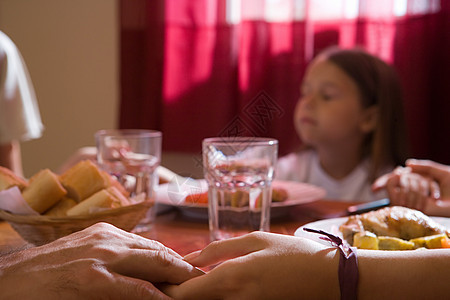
370 119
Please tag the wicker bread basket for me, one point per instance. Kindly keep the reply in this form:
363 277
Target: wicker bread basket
40 230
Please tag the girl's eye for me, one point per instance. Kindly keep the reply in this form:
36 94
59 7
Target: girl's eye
327 96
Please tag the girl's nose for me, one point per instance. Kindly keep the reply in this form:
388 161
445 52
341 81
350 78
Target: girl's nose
307 101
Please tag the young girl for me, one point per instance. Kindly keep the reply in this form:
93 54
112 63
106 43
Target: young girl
350 120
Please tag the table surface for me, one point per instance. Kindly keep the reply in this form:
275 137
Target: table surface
185 234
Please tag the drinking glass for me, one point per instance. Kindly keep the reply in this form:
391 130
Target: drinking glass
132 156
239 173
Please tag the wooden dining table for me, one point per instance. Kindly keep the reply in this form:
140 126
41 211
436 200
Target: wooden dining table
184 233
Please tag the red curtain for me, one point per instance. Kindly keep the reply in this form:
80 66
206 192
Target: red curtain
196 69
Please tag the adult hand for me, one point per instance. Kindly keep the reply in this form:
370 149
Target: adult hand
101 261
263 266
408 189
438 172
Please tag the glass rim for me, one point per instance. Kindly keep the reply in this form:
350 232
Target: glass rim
128 133
240 140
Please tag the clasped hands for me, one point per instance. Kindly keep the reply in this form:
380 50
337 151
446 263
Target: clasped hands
100 262
104 262
422 185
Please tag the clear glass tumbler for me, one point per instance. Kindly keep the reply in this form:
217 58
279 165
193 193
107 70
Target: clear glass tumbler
239 172
132 156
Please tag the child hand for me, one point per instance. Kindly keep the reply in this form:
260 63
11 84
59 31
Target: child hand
409 189
438 172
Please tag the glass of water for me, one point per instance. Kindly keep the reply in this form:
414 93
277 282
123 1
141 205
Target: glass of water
239 172
132 157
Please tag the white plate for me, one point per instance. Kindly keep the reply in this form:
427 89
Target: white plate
174 194
332 226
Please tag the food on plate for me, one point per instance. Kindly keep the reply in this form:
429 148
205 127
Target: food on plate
199 198
43 191
365 240
235 199
445 243
395 221
83 179
238 198
432 241
393 243
8 179
394 228
279 194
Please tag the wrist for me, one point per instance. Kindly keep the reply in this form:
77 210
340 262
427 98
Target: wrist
348 273
328 276
317 272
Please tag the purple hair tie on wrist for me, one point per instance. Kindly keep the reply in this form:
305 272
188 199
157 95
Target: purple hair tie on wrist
348 265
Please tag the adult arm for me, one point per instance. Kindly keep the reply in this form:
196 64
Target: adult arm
263 266
11 157
99 262
272 266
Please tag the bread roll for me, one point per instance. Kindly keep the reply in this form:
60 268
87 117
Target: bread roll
43 191
106 198
83 180
8 179
61 207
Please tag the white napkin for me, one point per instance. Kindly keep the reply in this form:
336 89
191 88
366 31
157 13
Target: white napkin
11 200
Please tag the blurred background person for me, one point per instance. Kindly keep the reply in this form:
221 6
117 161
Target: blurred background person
20 119
350 118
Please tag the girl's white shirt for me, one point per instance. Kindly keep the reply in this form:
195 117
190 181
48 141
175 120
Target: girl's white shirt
304 166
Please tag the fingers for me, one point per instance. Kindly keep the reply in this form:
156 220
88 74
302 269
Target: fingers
410 190
144 243
392 187
381 182
406 188
204 287
87 278
109 235
429 168
130 254
389 179
223 250
221 283
413 185
132 288
393 183
435 190
155 266
423 193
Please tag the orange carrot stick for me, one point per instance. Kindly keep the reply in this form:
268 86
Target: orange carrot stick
201 198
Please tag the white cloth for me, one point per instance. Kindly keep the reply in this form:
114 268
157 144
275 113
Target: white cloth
305 167
19 113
